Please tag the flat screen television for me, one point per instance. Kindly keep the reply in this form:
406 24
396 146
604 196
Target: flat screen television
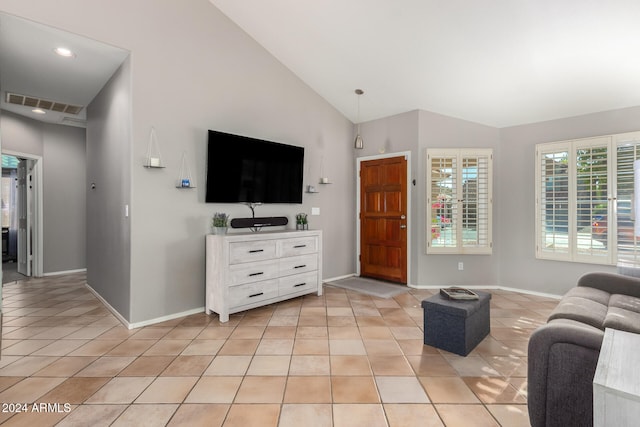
249 170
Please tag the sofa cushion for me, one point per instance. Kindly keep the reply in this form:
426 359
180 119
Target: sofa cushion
625 302
582 304
593 294
624 320
623 314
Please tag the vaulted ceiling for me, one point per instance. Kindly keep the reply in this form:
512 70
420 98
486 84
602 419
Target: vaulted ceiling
496 62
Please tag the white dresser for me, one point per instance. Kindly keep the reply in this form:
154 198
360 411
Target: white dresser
248 270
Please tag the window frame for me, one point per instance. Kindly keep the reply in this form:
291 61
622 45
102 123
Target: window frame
458 155
575 251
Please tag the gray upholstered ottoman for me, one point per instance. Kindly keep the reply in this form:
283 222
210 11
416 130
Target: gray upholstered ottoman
454 325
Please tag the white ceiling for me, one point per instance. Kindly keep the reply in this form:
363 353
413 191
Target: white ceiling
496 62
28 66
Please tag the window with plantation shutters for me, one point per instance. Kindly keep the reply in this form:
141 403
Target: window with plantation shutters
459 201
584 200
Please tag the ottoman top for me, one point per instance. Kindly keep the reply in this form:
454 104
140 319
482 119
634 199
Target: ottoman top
457 307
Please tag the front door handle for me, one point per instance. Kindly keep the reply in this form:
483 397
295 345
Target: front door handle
403 217
403 226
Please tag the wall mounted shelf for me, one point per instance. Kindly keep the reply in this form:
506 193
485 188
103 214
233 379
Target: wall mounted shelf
154 158
185 180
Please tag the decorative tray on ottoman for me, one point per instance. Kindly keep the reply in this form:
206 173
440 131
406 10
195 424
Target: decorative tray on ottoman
457 293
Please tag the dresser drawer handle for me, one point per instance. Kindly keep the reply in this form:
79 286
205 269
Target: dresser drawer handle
300 246
300 266
299 284
255 274
254 251
256 295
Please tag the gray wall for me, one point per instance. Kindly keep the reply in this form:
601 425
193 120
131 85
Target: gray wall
108 188
62 149
397 134
416 131
230 84
438 131
216 78
513 263
519 267
21 134
64 182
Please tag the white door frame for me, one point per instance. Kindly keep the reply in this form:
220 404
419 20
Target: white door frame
38 223
359 160
24 215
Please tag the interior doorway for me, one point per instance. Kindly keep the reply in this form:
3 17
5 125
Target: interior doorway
21 216
383 223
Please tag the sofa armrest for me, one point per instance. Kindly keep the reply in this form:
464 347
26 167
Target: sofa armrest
562 360
612 283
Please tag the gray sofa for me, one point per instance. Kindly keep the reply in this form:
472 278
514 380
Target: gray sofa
563 353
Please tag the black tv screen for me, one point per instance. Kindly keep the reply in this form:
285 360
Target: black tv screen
250 170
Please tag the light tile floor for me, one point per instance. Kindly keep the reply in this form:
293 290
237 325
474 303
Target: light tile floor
342 359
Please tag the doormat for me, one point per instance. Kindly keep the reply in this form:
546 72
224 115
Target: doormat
369 287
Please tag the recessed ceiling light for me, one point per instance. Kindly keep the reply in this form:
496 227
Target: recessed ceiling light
63 51
38 111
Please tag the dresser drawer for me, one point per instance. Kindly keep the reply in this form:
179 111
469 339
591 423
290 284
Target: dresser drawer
299 283
252 293
298 246
252 272
240 252
298 264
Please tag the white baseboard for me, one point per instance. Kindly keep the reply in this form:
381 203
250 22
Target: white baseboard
502 288
165 318
135 325
109 307
528 292
59 273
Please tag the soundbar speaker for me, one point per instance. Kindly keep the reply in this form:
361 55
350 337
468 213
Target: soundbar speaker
270 221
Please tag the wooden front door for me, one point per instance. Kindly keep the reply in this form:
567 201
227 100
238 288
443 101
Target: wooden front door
383 219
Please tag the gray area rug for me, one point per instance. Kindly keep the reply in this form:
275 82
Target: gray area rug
369 287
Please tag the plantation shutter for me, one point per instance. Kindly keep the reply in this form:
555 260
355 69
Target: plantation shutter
476 201
552 201
459 211
627 151
443 207
591 199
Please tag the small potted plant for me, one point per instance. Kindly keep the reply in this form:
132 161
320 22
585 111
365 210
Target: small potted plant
220 222
301 221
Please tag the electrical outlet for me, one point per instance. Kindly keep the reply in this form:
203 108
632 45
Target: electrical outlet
460 266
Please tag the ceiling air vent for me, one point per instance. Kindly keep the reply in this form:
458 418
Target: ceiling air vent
33 102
